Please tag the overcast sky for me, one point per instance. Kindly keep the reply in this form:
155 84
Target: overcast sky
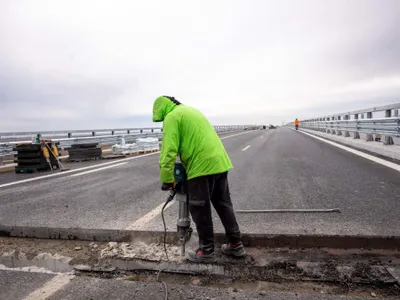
91 64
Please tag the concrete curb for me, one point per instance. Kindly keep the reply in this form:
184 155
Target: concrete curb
251 240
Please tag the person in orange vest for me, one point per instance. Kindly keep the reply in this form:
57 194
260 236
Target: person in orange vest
296 123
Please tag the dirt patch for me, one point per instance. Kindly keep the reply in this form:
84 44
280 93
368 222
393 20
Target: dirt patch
330 270
78 251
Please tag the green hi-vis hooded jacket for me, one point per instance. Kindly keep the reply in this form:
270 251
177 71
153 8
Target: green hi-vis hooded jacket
188 134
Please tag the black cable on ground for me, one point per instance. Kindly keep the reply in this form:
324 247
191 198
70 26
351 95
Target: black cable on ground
164 285
165 244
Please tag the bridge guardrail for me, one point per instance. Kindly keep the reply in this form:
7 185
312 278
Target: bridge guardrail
92 136
378 121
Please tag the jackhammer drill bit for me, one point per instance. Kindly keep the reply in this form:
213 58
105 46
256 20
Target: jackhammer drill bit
183 224
180 193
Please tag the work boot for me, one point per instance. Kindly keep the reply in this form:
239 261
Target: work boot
201 256
233 249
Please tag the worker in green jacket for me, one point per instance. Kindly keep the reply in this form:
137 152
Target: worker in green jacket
189 135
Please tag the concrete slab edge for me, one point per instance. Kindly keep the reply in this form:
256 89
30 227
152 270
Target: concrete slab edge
243 269
389 157
252 240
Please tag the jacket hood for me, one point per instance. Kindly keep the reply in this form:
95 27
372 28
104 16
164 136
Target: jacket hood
162 107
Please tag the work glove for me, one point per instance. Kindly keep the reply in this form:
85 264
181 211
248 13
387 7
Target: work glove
168 186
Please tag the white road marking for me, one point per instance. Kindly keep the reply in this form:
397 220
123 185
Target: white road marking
50 287
247 147
99 169
74 170
356 152
141 223
229 136
261 137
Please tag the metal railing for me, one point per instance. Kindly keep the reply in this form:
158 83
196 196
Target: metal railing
17 136
374 123
101 136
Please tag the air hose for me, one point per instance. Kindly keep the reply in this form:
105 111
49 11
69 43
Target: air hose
169 199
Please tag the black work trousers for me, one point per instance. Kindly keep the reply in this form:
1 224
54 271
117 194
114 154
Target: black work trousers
202 192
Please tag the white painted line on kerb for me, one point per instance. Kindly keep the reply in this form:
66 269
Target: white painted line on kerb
74 170
356 152
140 224
245 148
98 169
50 287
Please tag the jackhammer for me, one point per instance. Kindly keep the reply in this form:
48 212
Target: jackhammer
180 192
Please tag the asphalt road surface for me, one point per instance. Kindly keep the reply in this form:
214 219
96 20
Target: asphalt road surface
20 285
272 169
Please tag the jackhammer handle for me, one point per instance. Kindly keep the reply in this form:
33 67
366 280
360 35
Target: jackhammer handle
171 197
167 186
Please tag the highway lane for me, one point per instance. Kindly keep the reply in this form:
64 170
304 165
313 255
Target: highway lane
286 169
297 171
111 198
272 169
11 177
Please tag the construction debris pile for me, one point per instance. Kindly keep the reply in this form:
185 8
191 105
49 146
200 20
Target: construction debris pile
42 155
140 250
32 158
82 152
148 144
